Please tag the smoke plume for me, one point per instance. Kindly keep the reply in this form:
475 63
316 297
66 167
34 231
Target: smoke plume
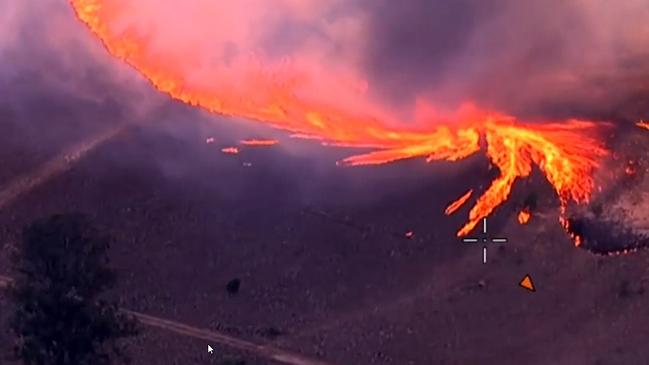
398 61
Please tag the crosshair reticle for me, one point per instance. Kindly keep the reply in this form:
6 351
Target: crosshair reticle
484 240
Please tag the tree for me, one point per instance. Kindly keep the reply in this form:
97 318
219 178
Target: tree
59 319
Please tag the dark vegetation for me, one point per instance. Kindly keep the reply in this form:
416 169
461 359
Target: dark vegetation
60 316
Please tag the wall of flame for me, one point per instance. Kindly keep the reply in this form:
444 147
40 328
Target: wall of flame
215 55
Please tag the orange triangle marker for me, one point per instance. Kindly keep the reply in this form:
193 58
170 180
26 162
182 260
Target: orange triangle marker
526 283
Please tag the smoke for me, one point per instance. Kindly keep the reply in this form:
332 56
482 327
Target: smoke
396 61
400 62
390 59
577 58
55 80
58 87
253 48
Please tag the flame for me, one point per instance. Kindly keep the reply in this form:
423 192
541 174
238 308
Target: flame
565 223
259 142
457 204
524 216
643 124
567 152
631 168
230 150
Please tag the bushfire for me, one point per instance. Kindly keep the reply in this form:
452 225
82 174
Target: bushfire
514 147
524 216
259 142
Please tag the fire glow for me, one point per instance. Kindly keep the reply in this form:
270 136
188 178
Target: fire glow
230 150
514 147
643 124
524 216
259 142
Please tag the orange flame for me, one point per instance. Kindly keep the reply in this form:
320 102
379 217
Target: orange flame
565 223
524 216
643 124
230 150
259 142
566 152
457 204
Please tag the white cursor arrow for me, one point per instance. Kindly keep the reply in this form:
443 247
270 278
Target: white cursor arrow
209 349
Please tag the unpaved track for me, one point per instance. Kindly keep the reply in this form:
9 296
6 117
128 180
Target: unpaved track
264 351
66 160
57 165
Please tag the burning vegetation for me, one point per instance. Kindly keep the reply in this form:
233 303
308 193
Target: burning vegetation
230 150
259 142
567 152
524 216
614 222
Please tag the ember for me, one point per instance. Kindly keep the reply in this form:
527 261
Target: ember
524 216
230 150
259 142
631 168
457 204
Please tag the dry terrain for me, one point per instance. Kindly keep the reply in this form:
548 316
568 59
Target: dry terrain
326 270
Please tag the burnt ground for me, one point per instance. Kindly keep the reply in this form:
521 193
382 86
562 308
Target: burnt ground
324 265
